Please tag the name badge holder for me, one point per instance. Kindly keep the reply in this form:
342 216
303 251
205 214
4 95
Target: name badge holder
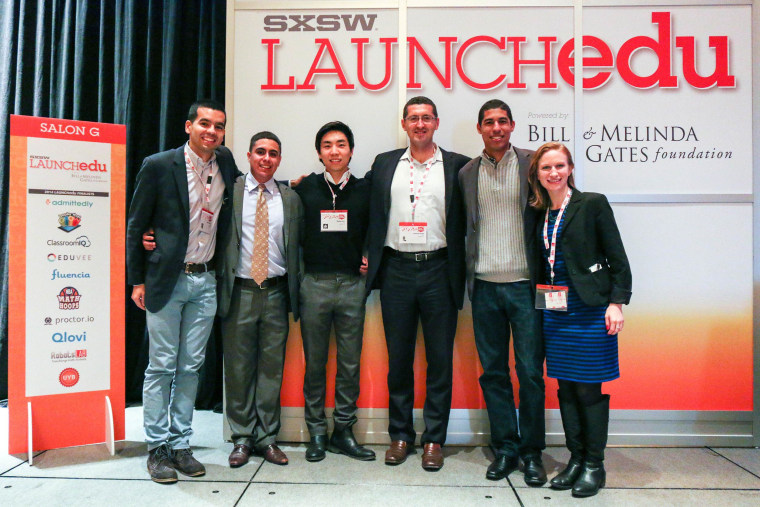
334 220
553 297
414 233
207 216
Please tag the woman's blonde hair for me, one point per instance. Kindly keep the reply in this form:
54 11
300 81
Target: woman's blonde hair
540 197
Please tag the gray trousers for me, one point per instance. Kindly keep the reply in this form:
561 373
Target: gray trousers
328 300
254 335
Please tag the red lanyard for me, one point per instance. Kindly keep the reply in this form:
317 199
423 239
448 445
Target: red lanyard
346 177
415 197
553 248
207 185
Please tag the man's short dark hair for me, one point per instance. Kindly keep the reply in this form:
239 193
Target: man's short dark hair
494 104
265 134
192 114
334 126
420 100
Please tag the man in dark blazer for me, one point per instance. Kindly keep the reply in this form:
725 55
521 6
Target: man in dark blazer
257 289
501 275
184 195
416 259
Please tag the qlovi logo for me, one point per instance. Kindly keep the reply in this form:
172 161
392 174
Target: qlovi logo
66 337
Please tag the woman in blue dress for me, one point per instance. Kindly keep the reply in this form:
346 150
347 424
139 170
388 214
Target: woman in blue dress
587 281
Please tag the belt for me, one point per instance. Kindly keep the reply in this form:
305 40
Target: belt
266 284
419 256
198 267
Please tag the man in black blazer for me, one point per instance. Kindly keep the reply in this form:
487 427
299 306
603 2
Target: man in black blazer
416 259
254 303
501 275
184 196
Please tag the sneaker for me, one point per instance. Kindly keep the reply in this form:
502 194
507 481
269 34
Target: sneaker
183 461
160 465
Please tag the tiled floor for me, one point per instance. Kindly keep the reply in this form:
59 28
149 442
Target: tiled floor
88 475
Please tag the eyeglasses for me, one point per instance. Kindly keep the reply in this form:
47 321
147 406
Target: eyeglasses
427 119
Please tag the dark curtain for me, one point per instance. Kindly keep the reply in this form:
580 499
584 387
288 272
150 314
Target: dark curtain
134 62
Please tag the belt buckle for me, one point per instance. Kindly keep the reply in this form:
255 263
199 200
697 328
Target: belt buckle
187 268
420 256
264 284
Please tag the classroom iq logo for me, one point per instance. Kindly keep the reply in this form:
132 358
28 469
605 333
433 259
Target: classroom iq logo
68 299
69 221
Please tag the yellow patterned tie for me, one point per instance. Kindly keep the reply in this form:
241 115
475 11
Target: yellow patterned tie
260 257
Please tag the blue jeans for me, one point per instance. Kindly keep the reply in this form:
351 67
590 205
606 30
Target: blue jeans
498 308
178 336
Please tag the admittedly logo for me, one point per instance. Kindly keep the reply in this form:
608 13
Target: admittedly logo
66 337
68 299
83 241
69 221
70 355
69 202
68 377
57 274
48 321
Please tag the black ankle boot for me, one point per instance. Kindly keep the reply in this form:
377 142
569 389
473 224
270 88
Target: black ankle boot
596 420
571 422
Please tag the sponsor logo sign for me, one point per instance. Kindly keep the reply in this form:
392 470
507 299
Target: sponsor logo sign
69 221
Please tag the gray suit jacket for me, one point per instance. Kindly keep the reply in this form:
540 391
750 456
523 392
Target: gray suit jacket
468 181
293 225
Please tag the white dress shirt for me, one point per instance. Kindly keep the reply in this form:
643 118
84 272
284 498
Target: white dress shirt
200 244
431 205
277 262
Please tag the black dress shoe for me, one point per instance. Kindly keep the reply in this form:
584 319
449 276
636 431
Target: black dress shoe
316 449
534 472
501 467
343 442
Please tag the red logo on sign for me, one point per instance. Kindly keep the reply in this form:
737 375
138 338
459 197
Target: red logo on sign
68 377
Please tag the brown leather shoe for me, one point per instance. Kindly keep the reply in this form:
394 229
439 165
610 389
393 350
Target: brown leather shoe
397 452
239 455
432 457
274 455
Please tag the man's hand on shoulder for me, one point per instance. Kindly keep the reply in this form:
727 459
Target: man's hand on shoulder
149 241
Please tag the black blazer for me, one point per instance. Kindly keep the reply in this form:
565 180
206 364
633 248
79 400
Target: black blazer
161 201
381 176
590 236
468 181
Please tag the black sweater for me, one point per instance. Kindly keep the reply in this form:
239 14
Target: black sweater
328 252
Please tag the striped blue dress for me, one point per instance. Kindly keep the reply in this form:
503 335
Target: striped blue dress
578 347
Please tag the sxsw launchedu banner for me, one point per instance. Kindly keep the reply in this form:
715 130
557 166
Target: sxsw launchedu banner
66 316
664 110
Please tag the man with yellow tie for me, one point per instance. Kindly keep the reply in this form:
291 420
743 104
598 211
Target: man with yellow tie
260 284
